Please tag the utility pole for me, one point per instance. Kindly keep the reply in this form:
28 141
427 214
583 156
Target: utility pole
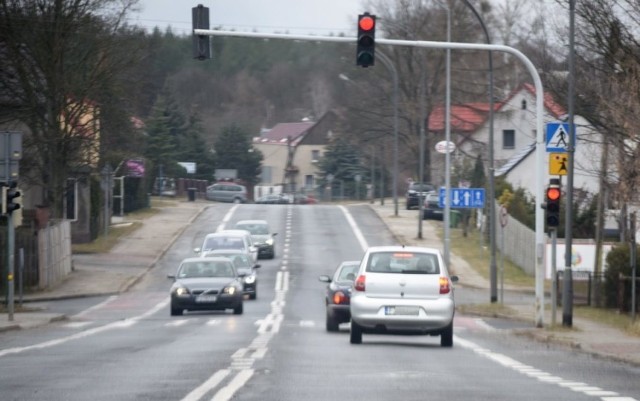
567 279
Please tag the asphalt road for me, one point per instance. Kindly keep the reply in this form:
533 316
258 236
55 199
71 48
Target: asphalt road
129 348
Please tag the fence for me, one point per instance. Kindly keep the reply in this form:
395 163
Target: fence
43 257
519 243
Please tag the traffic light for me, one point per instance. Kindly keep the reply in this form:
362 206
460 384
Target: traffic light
201 43
9 195
365 55
553 195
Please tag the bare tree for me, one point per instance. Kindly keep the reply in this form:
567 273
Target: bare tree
59 58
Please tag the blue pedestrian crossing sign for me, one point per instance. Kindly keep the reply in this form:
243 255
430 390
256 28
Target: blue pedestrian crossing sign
463 197
558 137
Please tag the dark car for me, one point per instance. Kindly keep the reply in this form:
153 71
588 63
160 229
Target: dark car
302 199
432 209
262 237
416 192
245 267
210 283
274 199
338 294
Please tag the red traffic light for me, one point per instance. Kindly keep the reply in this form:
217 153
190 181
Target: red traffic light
366 23
553 193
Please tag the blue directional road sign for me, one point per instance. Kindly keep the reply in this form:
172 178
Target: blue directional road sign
463 197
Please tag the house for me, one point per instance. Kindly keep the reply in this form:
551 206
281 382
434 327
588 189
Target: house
514 139
291 152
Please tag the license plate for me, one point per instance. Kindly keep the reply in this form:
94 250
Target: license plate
206 298
401 310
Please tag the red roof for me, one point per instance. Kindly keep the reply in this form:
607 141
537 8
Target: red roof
464 117
281 132
470 116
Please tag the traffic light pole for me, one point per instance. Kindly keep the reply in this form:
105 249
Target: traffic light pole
10 266
540 139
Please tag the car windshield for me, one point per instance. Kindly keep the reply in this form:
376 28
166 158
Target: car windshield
422 187
206 269
403 262
348 272
223 243
254 229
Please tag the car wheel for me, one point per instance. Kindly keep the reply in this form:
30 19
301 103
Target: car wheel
238 309
254 295
446 337
237 200
356 333
273 254
176 312
332 324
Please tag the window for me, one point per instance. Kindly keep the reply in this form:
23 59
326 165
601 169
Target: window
308 181
315 156
508 139
524 104
266 175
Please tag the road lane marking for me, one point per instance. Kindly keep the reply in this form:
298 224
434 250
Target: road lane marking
356 230
539 374
77 325
207 386
177 323
94 307
230 389
86 333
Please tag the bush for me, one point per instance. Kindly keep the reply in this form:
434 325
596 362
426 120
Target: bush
617 263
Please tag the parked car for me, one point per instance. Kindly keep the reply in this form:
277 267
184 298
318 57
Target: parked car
261 235
274 199
240 239
338 294
432 209
245 267
227 192
302 199
206 284
403 290
415 192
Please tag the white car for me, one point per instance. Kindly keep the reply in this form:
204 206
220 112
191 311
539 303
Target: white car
403 290
229 239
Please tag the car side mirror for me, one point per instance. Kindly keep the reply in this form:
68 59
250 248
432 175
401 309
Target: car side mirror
257 266
324 278
171 276
274 234
454 279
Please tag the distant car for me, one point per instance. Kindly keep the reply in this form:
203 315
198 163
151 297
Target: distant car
227 192
274 199
302 199
206 284
403 290
415 192
245 267
236 239
338 294
431 209
261 235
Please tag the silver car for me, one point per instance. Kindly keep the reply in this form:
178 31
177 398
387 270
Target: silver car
261 235
403 290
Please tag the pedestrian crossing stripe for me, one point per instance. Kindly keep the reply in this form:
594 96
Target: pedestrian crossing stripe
558 137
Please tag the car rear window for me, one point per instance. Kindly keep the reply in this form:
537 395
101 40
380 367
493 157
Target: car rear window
403 262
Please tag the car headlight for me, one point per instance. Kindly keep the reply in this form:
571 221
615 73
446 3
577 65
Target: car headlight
181 291
250 279
269 241
229 290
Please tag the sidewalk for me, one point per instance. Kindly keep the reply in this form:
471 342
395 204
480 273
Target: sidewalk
117 271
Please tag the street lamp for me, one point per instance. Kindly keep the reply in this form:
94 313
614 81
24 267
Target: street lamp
394 72
492 206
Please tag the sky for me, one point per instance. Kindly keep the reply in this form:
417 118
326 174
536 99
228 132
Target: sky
320 17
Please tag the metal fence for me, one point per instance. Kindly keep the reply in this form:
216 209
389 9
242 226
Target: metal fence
517 242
